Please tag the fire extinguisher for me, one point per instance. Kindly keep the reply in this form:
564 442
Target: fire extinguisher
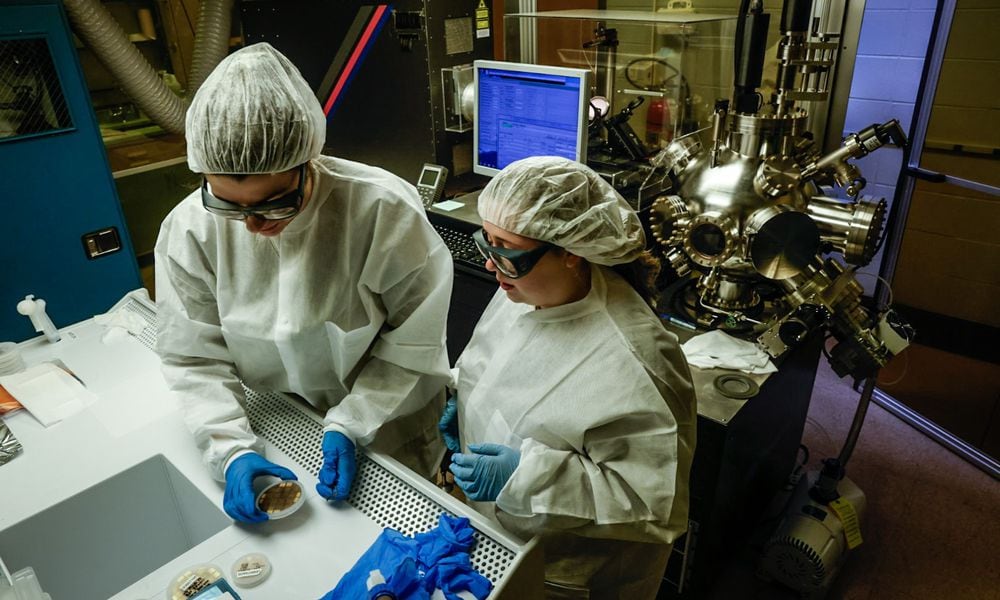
658 128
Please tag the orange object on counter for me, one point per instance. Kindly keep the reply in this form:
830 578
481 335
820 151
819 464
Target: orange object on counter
7 402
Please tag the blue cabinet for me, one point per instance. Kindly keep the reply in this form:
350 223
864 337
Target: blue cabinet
62 220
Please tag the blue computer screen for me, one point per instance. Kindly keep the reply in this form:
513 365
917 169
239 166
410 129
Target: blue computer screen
522 114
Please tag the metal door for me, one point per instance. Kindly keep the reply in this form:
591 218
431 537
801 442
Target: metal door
943 261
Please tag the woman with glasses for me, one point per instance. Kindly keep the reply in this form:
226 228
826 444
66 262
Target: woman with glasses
574 413
299 273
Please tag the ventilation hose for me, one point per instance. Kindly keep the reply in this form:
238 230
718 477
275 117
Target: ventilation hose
105 37
211 40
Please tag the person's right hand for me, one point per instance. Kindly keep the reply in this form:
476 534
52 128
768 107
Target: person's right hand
239 500
449 425
485 470
339 467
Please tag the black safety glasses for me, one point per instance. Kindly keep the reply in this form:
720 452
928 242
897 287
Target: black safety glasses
278 209
512 263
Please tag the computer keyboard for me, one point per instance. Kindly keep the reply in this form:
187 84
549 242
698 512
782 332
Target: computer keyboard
462 247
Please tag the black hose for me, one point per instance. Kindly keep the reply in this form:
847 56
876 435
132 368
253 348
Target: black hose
663 84
859 419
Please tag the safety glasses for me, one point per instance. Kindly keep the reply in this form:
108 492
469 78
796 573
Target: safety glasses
278 209
512 263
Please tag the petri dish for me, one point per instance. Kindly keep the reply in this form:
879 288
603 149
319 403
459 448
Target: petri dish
249 570
281 498
189 582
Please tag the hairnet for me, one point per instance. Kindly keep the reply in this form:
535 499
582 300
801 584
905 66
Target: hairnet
254 114
564 203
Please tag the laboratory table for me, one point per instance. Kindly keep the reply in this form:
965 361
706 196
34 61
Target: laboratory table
114 501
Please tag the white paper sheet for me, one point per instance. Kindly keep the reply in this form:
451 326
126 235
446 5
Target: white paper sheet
449 205
49 393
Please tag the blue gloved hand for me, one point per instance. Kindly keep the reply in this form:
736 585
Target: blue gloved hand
449 425
485 470
239 500
339 467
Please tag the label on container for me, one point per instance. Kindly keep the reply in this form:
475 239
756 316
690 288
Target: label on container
482 20
849 518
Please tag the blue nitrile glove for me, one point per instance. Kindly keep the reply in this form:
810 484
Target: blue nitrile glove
403 584
440 557
449 425
445 550
239 501
484 471
339 467
455 575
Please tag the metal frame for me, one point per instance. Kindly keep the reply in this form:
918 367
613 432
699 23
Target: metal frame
923 106
918 130
840 92
529 37
932 430
925 101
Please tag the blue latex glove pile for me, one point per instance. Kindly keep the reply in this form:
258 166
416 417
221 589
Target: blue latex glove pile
484 470
339 467
239 500
436 559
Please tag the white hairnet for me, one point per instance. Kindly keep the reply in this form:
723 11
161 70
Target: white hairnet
254 114
563 202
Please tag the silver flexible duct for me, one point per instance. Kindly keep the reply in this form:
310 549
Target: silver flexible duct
108 41
211 40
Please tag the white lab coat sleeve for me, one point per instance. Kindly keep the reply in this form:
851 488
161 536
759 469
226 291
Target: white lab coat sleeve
408 363
621 486
195 359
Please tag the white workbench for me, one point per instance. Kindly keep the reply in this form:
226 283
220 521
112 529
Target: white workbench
135 421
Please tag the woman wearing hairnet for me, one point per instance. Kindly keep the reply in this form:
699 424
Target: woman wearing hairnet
299 273
575 413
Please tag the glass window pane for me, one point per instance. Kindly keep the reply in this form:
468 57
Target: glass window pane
31 99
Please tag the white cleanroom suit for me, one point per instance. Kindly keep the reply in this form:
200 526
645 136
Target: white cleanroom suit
597 397
345 308
594 394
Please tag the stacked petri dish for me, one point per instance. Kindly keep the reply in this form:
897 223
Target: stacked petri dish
10 359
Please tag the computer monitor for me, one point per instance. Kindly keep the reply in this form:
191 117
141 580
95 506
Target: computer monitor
527 110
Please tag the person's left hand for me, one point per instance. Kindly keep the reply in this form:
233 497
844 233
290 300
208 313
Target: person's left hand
339 467
449 425
484 471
